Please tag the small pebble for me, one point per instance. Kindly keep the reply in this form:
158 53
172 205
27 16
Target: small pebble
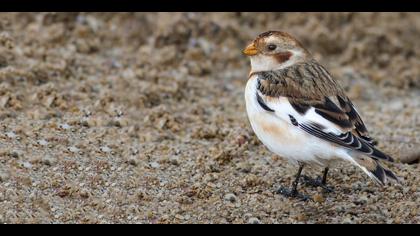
179 217
230 197
3 176
134 151
48 160
11 135
174 161
64 126
15 154
302 217
132 161
154 165
319 198
73 149
84 193
27 165
247 216
119 113
42 142
347 220
244 167
105 149
254 220
89 122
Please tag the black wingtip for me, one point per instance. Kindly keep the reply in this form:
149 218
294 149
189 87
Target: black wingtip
381 174
391 175
378 154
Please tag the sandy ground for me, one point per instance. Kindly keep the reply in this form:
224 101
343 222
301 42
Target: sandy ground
140 118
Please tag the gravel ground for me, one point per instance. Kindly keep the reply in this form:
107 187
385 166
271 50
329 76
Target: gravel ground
140 118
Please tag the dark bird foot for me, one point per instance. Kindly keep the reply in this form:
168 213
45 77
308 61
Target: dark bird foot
292 193
318 182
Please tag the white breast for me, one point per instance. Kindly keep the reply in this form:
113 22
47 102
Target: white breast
281 137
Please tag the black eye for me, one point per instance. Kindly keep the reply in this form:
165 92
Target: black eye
271 47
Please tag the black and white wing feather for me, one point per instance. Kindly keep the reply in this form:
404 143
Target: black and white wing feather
308 94
348 140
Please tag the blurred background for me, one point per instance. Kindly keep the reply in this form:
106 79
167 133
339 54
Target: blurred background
140 117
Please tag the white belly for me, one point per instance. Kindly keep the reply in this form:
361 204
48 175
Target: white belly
283 138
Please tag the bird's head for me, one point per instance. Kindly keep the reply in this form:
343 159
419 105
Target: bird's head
274 50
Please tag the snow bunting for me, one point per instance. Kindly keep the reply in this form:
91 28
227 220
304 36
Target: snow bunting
300 112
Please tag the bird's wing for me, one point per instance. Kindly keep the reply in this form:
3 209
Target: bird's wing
306 96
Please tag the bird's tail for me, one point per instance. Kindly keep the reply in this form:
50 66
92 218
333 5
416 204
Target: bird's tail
374 169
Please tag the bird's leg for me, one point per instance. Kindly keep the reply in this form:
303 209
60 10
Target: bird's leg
296 182
318 182
293 191
324 177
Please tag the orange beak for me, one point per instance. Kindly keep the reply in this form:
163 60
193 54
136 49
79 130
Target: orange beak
251 50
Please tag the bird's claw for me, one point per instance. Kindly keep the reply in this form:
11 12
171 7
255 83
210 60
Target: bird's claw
291 193
316 183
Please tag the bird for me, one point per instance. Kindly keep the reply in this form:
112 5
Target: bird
299 111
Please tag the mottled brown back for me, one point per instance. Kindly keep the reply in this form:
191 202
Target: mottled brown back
309 85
